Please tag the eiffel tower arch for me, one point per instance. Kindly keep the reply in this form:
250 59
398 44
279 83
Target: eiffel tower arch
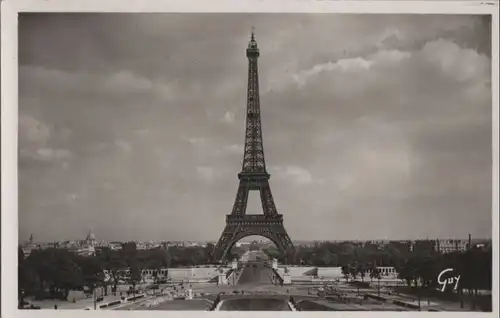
253 177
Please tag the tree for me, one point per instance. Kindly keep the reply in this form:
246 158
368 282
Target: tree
329 259
40 261
353 271
129 250
272 252
92 271
427 271
408 271
375 273
361 270
27 279
254 247
58 269
346 272
135 275
20 255
69 277
289 256
115 264
209 248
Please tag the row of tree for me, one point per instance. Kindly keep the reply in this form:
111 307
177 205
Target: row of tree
361 270
344 253
53 272
419 266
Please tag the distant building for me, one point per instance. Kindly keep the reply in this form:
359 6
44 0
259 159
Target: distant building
115 246
387 271
28 246
450 246
425 246
147 245
87 246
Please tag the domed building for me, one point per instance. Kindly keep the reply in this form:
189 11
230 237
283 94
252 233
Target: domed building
90 239
87 247
27 247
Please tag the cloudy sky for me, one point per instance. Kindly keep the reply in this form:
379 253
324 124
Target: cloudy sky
375 126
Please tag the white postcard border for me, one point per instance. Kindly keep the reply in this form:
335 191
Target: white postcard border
9 113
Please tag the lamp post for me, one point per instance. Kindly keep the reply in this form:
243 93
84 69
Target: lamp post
418 293
95 299
21 300
378 287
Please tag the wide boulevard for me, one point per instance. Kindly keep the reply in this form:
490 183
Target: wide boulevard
255 273
255 270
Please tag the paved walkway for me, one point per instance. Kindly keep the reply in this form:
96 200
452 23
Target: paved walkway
81 301
195 304
79 304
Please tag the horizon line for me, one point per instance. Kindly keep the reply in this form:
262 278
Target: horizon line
297 240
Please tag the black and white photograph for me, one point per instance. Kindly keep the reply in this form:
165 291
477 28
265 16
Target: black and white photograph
254 161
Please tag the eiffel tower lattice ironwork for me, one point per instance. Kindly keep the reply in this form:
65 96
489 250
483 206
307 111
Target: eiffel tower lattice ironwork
253 177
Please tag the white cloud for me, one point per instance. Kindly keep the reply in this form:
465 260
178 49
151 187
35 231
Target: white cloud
298 175
389 57
389 38
195 140
228 117
107 186
234 149
46 154
124 146
142 132
371 167
120 82
386 58
127 79
32 131
49 153
206 172
72 197
459 63
97 147
65 134
344 65
34 137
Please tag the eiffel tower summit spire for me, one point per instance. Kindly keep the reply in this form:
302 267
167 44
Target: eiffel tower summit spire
253 177
253 158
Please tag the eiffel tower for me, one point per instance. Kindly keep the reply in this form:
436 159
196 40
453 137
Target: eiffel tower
253 177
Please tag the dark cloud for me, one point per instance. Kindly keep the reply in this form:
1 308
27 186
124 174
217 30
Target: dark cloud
133 124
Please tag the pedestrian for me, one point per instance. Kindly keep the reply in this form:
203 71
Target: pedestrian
55 306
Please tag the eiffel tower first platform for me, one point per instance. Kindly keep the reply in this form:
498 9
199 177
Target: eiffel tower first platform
253 177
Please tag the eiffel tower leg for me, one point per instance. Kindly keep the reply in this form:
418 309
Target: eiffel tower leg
270 210
239 208
223 244
267 200
286 243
